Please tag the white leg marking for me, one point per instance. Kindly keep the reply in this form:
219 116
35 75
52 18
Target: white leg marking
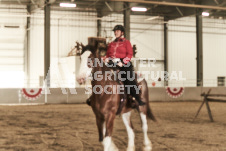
113 146
147 142
131 136
109 144
104 129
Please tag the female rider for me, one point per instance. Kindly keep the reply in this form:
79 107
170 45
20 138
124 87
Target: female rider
120 52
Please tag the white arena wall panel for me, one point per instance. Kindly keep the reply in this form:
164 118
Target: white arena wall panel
66 29
69 27
182 50
12 45
36 59
214 50
148 38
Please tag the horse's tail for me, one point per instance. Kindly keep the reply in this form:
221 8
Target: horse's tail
149 113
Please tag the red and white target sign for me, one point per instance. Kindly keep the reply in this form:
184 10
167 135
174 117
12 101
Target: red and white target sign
31 94
175 92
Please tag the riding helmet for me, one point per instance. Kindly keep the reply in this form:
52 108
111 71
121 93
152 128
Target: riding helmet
119 27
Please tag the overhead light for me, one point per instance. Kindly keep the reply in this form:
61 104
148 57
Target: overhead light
205 13
67 5
139 9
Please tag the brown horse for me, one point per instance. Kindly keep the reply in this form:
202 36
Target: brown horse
106 104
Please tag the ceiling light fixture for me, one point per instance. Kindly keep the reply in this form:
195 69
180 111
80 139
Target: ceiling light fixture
205 13
139 9
67 5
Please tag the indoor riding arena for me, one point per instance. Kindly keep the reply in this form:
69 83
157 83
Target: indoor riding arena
49 97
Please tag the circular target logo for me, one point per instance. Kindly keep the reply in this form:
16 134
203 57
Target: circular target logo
32 94
174 92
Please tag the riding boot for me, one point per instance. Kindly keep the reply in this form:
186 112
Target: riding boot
88 101
134 93
117 79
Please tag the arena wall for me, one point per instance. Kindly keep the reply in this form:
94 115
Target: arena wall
57 95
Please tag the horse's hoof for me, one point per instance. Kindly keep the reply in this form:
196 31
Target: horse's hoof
147 148
113 147
130 148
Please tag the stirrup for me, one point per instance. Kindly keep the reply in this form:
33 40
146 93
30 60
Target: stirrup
141 103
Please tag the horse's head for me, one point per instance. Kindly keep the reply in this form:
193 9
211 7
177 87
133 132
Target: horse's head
88 54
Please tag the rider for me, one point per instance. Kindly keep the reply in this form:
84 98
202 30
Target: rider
121 52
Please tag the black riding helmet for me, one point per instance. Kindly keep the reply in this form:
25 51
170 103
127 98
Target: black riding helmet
119 27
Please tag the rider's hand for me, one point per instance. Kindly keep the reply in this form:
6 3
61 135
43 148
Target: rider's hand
126 60
120 64
107 60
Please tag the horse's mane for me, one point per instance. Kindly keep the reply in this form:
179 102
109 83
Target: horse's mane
88 48
95 51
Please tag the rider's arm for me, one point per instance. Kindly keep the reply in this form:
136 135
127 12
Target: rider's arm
108 50
129 52
105 58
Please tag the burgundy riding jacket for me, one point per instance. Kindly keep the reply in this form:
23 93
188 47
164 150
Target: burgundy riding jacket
120 48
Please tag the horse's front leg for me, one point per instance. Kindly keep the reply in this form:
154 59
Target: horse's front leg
129 128
100 127
108 142
147 142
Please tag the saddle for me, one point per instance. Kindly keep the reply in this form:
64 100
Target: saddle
131 101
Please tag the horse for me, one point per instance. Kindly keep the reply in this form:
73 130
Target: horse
106 106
